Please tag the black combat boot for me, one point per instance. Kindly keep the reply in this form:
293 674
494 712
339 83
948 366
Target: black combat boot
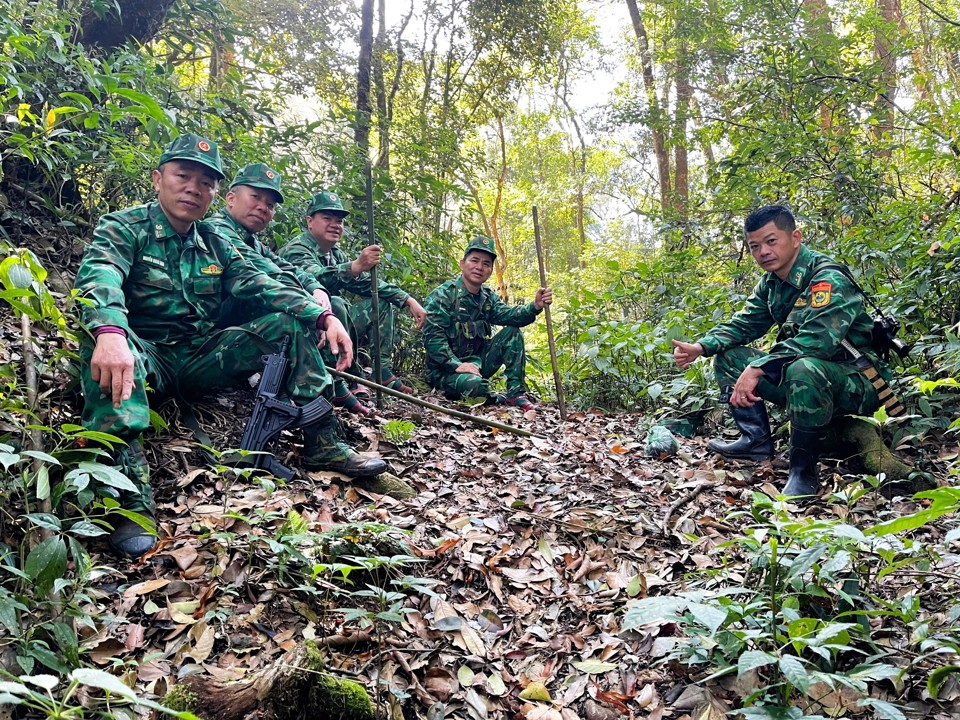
804 480
129 537
324 449
755 443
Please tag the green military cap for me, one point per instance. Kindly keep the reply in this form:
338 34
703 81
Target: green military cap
191 146
260 176
327 202
481 243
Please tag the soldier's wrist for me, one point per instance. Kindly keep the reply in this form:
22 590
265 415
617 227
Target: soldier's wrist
109 330
322 319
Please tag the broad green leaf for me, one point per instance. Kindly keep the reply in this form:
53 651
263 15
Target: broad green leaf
753 659
884 710
710 616
938 677
465 676
47 682
795 672
45 520
495 684
806 560
652 609
47 561
104 681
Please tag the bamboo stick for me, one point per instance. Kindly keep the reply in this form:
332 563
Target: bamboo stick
561 401
433 406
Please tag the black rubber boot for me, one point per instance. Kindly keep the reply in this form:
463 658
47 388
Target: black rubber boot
755 442
804 480
129 537
324 449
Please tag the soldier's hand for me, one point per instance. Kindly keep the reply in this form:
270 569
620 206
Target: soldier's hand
469 368
367 259
419 314
323 300
340 344
744 393
112 367
685 353
544 297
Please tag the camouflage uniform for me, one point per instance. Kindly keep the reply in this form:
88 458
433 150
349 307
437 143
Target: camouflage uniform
459 329
166 292
806 370
332 270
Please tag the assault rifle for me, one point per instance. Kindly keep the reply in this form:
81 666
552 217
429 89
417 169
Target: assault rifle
270 414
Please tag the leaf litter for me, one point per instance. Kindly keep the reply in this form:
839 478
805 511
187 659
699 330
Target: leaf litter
534 547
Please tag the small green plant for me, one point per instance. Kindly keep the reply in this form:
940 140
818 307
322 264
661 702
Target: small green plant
44 696
398 431
795 628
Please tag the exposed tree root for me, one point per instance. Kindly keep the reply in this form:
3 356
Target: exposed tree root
858 443
294 688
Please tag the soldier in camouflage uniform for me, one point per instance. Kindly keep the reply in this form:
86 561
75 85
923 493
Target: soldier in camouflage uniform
462 351
251 203
317 252
806 370
154 289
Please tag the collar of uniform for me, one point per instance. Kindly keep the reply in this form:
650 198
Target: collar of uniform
225 216
801 268
162 229
462 290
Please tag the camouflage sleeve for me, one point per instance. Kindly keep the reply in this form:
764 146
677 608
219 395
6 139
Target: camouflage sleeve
308 262
833 307
360 285
512 315
436 331
244 278
296 273
105 266
752 321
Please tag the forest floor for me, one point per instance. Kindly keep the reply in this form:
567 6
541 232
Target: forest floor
536 547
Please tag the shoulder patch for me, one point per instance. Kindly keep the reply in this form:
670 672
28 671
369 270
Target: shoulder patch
820 294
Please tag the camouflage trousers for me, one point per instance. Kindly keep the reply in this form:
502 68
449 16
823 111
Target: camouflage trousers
200 364
357 317
506 350
812 391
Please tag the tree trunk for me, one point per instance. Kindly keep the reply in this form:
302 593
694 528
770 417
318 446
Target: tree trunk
819 26
500 264
362 132
884 44
681 182
137 20
653 104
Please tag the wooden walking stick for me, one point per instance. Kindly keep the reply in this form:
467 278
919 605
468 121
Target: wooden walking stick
433 406
546 312
374 286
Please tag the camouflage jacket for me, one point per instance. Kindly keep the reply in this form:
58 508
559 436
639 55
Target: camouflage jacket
459 323
140 275
815 307
224 224
332 270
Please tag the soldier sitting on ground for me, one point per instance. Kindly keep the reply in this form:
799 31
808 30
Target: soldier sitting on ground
316 250
154 290
462 351
806 370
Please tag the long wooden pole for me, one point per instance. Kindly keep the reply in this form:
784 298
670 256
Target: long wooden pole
561 401
433 406
374 285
